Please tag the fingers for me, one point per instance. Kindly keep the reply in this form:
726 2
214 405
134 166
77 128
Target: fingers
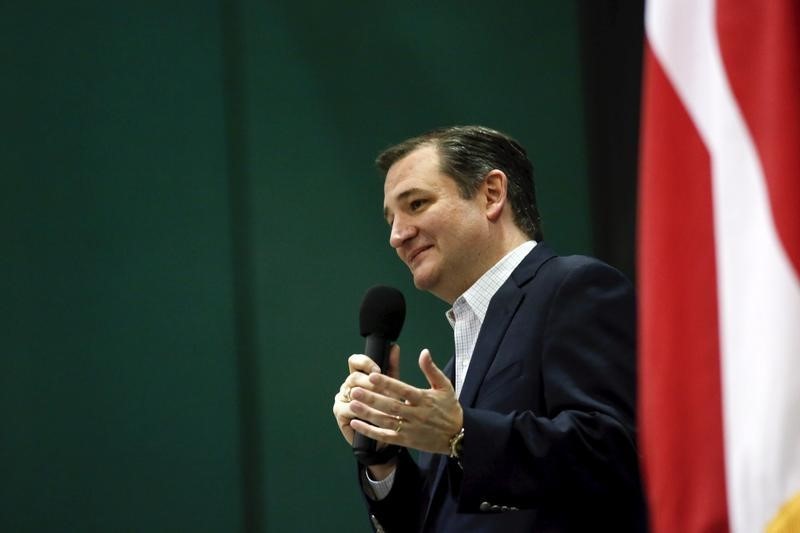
437 379
382 403
380 434
356 379
343 415
393 388
359 362
346 408
375 416
361 366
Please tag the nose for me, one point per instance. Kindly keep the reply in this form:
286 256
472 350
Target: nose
401 232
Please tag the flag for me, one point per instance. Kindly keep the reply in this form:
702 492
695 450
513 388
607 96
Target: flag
719 266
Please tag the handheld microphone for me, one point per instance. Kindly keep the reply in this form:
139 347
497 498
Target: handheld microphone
381 317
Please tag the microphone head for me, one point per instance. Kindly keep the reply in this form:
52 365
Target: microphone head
383 311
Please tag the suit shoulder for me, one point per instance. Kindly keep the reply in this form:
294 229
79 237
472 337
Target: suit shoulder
569 265
544 265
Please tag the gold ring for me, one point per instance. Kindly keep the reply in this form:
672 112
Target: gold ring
346 395
399 424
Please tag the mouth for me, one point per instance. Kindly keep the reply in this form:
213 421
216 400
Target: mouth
415 253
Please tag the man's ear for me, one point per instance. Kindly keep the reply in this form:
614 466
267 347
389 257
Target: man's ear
495 191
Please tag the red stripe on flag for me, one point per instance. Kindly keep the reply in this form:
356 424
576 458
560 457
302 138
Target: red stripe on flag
760 46
680 411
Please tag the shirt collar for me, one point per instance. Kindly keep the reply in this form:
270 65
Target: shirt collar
478 296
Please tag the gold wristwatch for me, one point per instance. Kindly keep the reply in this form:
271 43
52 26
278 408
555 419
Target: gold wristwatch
455 446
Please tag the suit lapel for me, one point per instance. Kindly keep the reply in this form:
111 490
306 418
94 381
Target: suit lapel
441 463
501 310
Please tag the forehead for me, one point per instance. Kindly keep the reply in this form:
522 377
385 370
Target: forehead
418 169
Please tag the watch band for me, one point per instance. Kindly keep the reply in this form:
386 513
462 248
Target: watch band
455 445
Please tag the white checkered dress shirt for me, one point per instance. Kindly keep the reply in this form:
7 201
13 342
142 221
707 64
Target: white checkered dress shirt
469 309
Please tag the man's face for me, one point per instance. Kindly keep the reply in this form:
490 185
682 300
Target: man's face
438 234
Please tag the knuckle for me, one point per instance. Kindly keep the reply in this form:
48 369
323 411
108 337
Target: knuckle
362 381
355 360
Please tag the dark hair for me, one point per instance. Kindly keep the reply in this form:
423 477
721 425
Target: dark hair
467 154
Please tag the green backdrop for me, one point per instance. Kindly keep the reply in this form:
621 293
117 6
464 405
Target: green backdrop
190 217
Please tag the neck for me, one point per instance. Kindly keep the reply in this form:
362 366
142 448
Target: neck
508 238
499 246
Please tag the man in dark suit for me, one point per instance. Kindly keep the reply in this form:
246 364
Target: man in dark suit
530 427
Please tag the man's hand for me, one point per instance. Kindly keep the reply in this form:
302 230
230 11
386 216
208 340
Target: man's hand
424 419
360 367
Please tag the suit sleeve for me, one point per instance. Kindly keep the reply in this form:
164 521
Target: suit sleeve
582 443
402 508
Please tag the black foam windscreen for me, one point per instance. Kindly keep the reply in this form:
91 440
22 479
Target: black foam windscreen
383 311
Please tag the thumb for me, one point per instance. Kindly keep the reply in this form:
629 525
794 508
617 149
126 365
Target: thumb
435 377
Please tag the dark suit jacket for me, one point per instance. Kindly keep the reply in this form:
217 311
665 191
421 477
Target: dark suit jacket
549 412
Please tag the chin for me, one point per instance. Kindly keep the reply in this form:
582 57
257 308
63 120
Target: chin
424 282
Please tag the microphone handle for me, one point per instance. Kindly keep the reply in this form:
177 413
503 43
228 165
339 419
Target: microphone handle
377 349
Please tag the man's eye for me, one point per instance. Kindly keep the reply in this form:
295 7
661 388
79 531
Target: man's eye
416 204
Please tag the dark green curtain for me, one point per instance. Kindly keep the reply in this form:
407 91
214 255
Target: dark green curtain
190 217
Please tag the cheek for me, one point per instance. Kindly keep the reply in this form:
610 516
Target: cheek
444 224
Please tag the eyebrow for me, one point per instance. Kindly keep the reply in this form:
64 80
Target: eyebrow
400 197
